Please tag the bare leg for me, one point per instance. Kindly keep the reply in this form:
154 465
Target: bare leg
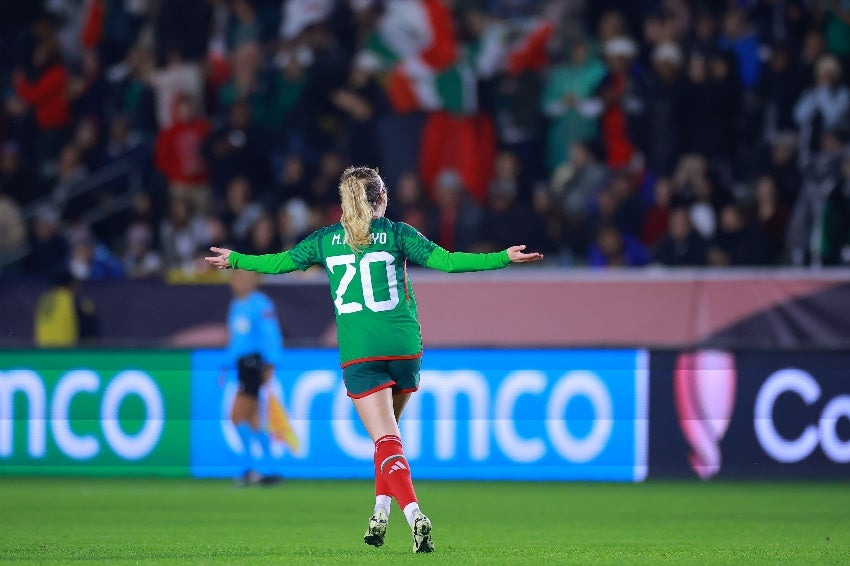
377 413
399 403
245 409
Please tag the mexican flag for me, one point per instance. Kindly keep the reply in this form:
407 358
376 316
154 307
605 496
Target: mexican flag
415 45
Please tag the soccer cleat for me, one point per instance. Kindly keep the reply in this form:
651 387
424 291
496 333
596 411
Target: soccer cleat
377 528
248 478
271 479
422 541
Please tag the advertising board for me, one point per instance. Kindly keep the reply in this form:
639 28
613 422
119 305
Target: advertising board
750 414
101 413
479 414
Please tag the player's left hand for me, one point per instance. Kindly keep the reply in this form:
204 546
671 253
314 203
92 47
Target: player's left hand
516 255
221 260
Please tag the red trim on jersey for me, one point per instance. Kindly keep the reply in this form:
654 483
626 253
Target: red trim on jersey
382 359
406 293
373 390
400 391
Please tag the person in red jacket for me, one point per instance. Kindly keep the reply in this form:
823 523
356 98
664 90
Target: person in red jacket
47 96
179 157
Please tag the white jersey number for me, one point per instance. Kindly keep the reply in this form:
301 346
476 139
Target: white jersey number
366 280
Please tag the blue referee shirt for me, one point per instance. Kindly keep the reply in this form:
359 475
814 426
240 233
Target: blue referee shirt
254 329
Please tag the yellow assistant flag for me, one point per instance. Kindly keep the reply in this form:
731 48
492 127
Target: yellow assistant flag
279 425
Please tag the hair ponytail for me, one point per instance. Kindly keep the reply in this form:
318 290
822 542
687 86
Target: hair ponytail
362 193
356 212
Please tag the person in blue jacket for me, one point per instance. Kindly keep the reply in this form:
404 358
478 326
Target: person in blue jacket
255 344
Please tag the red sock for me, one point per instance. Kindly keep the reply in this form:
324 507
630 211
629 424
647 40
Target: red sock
392 469
381 487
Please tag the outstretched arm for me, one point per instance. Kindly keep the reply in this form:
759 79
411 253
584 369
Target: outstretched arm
459 262
269 264
423 251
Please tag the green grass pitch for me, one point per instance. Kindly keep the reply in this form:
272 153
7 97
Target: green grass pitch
126 521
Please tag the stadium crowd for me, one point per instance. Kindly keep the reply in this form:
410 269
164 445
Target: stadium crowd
135 133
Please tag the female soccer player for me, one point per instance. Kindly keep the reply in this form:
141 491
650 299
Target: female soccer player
365 256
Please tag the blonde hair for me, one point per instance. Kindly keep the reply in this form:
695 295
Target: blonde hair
360 190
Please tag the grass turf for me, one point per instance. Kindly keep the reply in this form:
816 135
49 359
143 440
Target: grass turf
124 521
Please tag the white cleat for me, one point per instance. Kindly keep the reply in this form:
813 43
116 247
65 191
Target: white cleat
422 541
377 529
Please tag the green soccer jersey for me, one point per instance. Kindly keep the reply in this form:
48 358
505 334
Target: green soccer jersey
375 305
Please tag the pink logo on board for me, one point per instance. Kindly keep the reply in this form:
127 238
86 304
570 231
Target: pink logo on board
704 388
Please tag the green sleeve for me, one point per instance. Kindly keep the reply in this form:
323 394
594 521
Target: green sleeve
269 263
459 262
302 256
423 251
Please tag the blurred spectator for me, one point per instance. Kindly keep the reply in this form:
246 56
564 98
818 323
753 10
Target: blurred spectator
739 38
513 97
362 103
249 84
324 190
88 90
140 259
72 171
617 97
91 260
179 155
578 182
822 107
565 98
782 22
456 221
183 26
240 213
132 90
237 148
713 95
407 202
773 215
87 141
706 29
124 143
49 250
288 87
697 189
293 180
663 101
822 173
814 46
47 95
612 248
179 78
621 205
835 239
837 27
293 223
737 242
782 166
658 215
182 234
780 87
16 181
245 26
13 229
63 318
682 246
262 237
504 219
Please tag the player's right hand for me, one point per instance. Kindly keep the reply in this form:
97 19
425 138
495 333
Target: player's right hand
516 255
221 260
